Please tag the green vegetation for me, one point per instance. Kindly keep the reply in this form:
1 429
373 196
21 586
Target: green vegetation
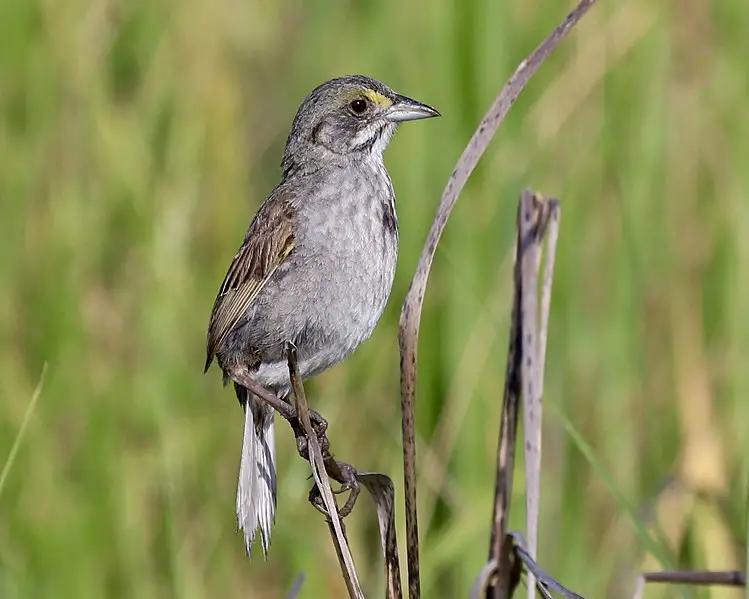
137 140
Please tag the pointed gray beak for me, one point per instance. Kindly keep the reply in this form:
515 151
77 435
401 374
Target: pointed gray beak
406 109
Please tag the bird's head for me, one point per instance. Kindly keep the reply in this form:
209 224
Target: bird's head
349 118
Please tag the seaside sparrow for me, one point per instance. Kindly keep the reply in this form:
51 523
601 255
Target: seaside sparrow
315 268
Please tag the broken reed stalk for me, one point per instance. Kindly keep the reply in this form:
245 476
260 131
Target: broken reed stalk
410 319
531 228
541 220
537 218
499 549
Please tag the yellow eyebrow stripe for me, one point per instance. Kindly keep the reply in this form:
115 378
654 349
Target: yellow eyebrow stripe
378 98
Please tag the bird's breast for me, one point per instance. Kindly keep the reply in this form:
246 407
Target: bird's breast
349 240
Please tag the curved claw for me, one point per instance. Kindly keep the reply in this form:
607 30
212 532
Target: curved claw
315 498
348 507
350 483
319 424
302 447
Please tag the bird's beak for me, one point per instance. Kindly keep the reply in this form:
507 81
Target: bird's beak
406 109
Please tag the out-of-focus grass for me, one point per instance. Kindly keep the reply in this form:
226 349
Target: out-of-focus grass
139 137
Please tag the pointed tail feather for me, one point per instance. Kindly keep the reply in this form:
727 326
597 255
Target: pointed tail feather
266 480
256 491
246 516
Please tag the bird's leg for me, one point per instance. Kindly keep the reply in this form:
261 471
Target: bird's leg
282 406
318 423
345 474
287 411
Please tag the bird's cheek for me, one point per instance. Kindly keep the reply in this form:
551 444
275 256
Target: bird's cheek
323 134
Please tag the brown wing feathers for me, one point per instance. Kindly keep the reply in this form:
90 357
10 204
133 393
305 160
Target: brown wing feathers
269 241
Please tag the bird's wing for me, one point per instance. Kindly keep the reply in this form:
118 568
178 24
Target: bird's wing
268 242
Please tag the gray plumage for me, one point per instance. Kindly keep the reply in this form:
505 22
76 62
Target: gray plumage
315 269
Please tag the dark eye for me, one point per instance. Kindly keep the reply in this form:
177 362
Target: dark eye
358 106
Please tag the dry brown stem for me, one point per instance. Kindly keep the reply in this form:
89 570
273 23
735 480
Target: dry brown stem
410 319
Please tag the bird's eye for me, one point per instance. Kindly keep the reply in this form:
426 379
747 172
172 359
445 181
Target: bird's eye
358 106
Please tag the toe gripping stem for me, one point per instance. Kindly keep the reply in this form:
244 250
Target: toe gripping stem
342 473
345 474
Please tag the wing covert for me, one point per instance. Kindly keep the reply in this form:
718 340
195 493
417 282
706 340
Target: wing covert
268 242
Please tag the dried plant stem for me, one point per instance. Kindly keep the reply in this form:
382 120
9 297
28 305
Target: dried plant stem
317 464
552 235
539 217
382 490
544 582
530 235
411 312
314 448
525 364
703 578
499 553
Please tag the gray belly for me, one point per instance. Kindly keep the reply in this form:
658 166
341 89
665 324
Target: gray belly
326 298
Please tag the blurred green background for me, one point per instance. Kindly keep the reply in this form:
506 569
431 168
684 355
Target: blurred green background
138 138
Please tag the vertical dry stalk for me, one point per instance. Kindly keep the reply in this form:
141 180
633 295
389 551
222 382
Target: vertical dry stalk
499 551
530 229
317 464
525 363
410 319
540 217
537 219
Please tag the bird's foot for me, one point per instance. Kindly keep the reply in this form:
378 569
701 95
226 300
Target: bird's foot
349 482
302 445
319 426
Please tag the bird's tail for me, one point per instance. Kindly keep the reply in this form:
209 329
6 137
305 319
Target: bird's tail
256 491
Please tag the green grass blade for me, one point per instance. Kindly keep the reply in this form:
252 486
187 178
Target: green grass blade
22 430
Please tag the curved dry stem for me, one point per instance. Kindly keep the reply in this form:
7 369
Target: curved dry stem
410 318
